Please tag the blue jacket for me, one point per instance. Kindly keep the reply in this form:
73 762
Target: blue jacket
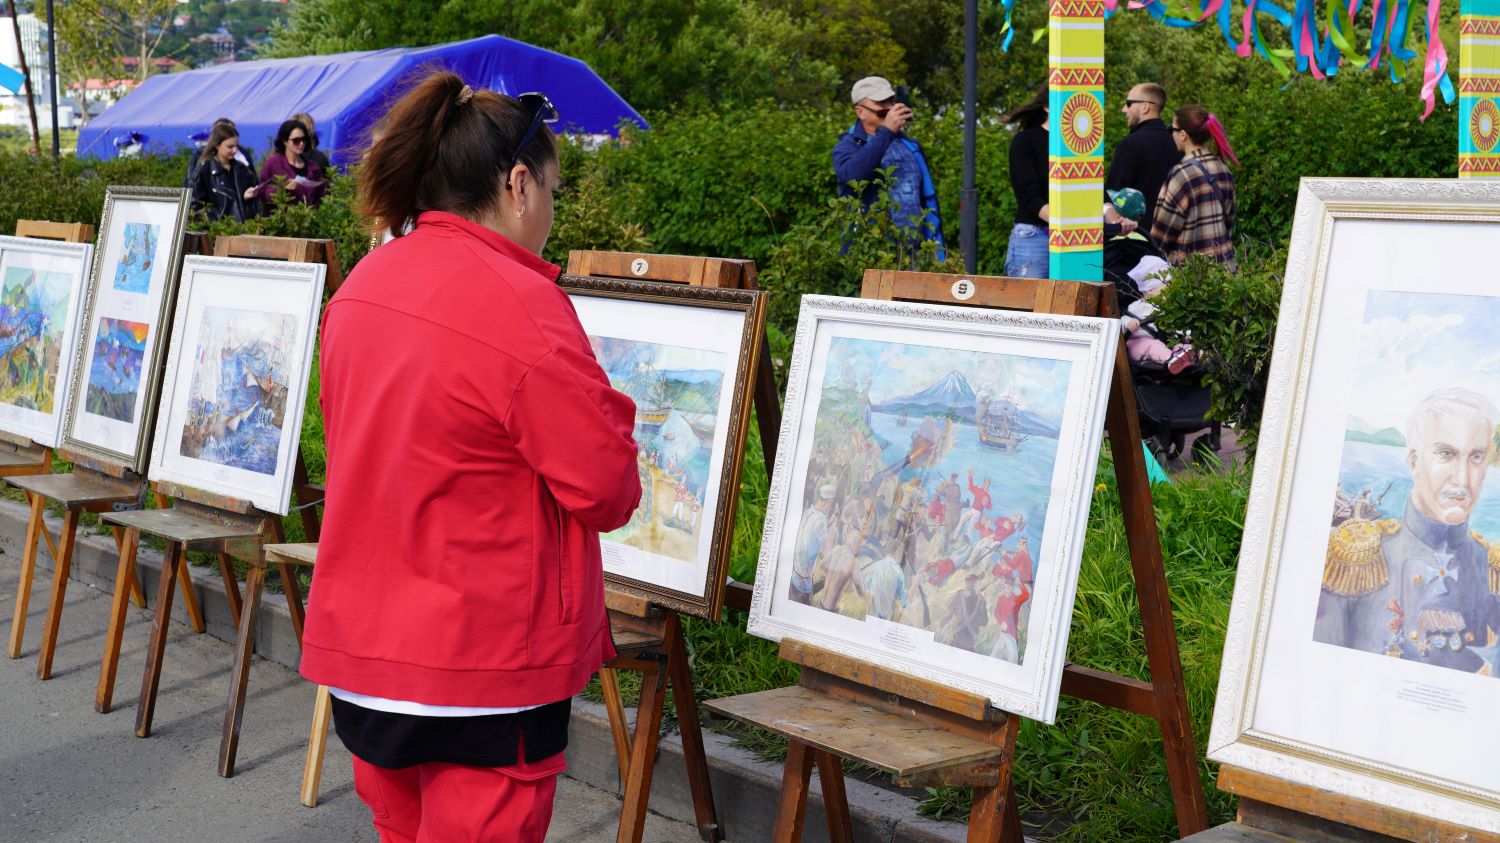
858 156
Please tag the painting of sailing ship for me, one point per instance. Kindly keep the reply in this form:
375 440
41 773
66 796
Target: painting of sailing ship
927 487
676 392
34 308
237 402
133 271
115 373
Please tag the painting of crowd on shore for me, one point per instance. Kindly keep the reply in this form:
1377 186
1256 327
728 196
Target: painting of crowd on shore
926 490
237 400
115 373
676 392
33 314
133 271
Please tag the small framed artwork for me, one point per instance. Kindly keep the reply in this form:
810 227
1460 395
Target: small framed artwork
236 378
686 356
932 489
41 293
1361 655
126 308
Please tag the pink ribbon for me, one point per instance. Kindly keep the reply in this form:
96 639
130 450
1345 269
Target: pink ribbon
1216 129
1437 59
1244 49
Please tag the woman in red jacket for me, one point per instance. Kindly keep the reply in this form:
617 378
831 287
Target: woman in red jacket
475 452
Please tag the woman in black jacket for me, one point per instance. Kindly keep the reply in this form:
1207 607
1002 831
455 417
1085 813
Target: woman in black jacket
225 186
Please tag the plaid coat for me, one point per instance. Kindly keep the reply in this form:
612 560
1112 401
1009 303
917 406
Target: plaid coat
1195 210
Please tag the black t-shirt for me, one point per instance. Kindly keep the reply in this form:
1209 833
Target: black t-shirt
395 741
301 171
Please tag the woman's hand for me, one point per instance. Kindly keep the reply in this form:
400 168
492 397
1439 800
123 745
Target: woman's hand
1045 213
250 192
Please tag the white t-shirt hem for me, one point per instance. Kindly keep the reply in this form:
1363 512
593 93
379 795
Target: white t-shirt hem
421 709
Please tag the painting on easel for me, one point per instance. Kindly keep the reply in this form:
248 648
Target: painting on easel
929 499
1364 636
232 404
41 287
129 295
684 355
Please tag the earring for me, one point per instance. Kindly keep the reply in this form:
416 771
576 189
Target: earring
520 213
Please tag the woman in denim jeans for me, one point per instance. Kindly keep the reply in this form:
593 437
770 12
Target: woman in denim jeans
1026 254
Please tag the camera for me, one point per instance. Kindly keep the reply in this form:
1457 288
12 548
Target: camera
903 95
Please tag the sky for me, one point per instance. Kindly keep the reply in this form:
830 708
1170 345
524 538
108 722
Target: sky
1414 343
1038 385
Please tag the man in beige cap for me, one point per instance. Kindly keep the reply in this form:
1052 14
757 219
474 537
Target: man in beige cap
875 142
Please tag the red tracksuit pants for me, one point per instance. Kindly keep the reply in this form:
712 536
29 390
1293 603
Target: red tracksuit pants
454 803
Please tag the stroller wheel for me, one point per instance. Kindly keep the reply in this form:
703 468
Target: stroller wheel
1205 452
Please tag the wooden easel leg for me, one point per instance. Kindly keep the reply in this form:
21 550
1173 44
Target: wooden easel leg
59 590
28 571
619 730
1156 606
231 588
317 747
160 626
792 808
312 525
637 786
293 591
125 572
835 798
239 680
46 534
137 591
686 699
189 596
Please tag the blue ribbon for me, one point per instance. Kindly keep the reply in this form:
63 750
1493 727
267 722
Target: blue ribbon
11 79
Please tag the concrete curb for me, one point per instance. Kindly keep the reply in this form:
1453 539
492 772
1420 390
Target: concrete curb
745 789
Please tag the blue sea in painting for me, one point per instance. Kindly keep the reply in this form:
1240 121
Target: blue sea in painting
238 399
133 271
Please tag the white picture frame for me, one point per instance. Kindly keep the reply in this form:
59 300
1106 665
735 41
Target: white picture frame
881 391
127 307
687 357
41 296
1383 340
230 418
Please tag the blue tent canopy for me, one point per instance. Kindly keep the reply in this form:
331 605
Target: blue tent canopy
345 93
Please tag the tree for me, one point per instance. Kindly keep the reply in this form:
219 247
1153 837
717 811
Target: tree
36 135
98 33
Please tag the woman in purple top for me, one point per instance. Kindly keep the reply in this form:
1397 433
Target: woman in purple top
304 177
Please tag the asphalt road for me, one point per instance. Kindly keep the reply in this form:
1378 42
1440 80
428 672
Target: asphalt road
70 774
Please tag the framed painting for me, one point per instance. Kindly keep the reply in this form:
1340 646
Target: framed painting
41 290
127 306
686 356
931 491
236 378
1360 658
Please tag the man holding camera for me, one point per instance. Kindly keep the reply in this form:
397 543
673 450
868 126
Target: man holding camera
875 142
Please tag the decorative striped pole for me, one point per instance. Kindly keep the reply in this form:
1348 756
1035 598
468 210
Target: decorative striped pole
1075 145
1478 88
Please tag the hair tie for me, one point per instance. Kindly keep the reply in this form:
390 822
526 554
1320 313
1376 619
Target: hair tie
1216 129
465 95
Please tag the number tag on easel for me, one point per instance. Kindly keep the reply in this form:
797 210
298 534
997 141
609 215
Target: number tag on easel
963 289
640 267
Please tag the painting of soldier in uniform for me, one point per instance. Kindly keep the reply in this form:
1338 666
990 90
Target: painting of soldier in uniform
676 392
1413 562
34 307
237 402
927 489
115 373
133 270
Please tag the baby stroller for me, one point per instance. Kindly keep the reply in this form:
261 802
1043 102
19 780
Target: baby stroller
1171 397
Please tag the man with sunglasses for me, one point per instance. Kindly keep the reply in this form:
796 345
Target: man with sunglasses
875 142
1145 156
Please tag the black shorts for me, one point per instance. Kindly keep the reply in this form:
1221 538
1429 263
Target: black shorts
394 741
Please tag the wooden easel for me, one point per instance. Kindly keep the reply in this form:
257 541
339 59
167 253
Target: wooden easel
92 487
926 734
198 520
648 638
19 456
1272 810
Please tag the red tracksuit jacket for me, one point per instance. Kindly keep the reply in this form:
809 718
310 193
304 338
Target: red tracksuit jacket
475 452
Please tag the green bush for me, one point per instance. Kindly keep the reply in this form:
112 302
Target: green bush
1232 320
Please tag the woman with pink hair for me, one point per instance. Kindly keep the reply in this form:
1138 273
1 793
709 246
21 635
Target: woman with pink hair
1195 210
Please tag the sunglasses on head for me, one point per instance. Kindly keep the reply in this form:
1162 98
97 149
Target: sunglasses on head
542 111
